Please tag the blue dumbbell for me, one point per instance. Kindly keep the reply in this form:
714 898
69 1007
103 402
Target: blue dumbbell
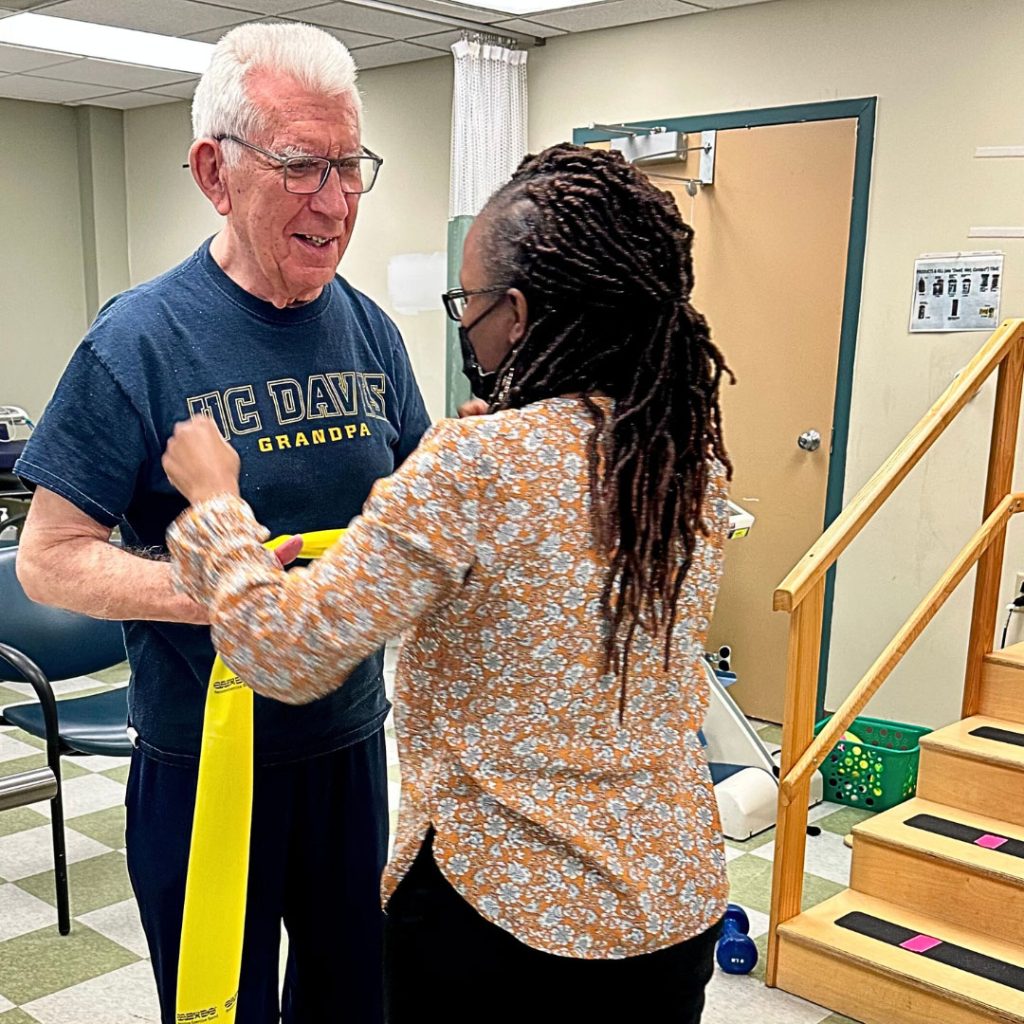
736 953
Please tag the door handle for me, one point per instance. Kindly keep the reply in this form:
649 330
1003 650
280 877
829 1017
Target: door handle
809 440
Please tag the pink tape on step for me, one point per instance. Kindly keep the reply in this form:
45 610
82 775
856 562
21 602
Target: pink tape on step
920 943
991 842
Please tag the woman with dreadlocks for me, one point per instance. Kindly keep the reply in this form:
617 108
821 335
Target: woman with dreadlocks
555 563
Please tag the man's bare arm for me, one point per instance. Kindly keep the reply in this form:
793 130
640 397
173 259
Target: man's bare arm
65 559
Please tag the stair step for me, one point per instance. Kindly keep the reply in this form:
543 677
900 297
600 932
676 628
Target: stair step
876 981
1002 684
976 764
973 872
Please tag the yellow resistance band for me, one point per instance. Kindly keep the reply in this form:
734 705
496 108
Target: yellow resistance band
210 956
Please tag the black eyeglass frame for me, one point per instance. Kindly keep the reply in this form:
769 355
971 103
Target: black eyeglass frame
450 298
331 163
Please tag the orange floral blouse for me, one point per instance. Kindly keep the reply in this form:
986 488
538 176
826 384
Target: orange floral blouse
581 835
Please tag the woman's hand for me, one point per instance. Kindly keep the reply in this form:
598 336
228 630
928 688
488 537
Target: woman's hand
199 462
474 407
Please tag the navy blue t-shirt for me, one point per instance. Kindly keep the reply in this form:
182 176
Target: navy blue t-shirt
319 401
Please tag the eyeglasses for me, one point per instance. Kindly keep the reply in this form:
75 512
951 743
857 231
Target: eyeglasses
457 299
306 175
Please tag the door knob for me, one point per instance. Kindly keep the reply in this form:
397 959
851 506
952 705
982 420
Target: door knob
809 440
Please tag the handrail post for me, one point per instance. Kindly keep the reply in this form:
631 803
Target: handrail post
798 732
1001 457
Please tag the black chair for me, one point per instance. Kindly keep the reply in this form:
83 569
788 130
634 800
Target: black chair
39 645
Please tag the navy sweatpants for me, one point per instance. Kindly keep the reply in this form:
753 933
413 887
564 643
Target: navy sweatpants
319 843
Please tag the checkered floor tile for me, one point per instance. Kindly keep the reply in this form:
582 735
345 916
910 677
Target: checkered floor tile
100 972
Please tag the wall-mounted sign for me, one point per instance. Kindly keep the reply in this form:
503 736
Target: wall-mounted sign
957 292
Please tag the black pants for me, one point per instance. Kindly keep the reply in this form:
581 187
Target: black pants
319 841
444 962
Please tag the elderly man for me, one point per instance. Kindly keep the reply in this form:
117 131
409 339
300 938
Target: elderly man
310 382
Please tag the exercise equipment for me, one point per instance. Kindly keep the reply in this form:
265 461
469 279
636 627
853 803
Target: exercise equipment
213 921
736 952
742 768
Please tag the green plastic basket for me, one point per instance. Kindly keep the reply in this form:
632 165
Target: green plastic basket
878 769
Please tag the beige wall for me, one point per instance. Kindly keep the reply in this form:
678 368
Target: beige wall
167 215
42 291
938 100
407 120
101 182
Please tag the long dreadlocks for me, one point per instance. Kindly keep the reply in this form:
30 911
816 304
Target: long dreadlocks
605 262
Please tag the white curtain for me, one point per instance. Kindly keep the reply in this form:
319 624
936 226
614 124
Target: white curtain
488 122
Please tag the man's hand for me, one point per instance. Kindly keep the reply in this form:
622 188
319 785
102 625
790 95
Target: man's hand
474 407
199 462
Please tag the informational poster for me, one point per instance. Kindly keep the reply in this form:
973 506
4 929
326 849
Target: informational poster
957 292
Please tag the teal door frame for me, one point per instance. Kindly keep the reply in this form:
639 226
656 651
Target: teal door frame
863 109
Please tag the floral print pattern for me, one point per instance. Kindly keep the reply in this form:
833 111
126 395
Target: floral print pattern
580 834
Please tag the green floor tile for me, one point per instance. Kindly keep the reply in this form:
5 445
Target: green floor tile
94 883
24 737
817 890
106 826
115 674
29 761
750 883
843 820
119 774
771 735
9 696
19 819
394 773
753 842
750 880
17 1016
762 957
44 961
86 691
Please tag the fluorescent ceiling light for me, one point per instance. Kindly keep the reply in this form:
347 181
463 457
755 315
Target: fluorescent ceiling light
124 45
528 6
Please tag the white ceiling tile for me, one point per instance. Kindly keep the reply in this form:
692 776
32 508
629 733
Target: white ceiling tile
264 6
350 39
130 100
611 15
20 58
111 74
180 90
455 11
715 4
46 90
365 19
387 53
213 35
167 17
529 28
441 40
353 39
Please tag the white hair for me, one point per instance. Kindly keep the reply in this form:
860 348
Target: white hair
221 104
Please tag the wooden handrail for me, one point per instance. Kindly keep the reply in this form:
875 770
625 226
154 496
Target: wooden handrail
893 654
802 593
813 566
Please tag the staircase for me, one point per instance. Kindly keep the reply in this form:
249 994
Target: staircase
931 930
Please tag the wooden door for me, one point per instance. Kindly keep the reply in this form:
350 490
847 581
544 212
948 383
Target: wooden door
770 261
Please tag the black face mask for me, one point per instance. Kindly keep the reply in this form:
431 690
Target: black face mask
481 382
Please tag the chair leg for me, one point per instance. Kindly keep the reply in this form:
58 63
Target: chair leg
60 864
